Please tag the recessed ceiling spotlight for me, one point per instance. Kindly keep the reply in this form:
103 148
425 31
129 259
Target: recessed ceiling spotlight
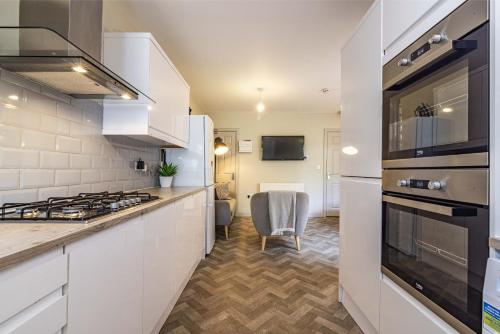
125 96
447 109
260 106
13 97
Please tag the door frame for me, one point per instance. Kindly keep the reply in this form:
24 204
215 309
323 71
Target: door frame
325 164
237 155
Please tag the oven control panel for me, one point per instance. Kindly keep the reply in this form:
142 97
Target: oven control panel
420 184
461 185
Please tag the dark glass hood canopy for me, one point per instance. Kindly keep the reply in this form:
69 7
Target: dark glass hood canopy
58 43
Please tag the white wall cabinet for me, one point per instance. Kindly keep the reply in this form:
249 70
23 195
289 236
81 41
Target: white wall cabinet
401 313
360 244
32 295
106 281
361 98
404 21
140 60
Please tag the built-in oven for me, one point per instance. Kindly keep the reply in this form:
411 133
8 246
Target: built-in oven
436 95
435 230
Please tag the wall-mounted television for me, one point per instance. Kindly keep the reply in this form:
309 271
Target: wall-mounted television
283 148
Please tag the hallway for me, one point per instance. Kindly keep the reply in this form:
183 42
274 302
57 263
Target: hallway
239 289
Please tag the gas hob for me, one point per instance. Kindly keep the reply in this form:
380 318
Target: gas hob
75 209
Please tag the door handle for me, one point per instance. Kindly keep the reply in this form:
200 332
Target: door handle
445 210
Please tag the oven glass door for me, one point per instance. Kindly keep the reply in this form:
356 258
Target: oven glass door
442 110
440 251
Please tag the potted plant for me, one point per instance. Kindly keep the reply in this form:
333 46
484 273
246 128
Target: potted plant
167 172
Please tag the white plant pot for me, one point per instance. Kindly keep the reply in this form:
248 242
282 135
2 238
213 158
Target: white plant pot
166 181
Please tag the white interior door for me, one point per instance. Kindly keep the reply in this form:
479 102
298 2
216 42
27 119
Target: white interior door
333 147
226 164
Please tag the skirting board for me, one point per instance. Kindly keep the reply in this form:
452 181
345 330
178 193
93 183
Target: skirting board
356 313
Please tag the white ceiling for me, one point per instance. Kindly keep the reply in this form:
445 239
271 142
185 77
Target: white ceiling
227 49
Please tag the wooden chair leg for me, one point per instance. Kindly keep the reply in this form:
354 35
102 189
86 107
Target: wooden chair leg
226 229
297 242
263 246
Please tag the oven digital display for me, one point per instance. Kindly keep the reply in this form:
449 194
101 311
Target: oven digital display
420 51
420 184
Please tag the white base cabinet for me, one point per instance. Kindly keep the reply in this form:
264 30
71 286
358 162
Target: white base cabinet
106 281
160 117
401 313
32 298
360 244
127 278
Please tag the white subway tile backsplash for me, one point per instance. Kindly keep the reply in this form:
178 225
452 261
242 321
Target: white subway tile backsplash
18 158
108 175
80 161
91 176
44 193
66 177
69 112
82 188
38 140
18 196
39 103
10 136
51 145
54 160
9 179
36 178
68 144
91 147
54 124
100 162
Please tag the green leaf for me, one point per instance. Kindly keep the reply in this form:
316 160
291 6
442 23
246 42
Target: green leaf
167 169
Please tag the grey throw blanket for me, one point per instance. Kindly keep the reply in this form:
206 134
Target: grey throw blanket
282 212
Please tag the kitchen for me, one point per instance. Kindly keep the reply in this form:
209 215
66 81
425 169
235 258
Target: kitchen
86 118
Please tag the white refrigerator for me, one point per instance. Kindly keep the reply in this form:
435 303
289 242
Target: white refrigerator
196 168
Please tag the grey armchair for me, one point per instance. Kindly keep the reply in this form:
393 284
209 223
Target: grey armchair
224 213
259 206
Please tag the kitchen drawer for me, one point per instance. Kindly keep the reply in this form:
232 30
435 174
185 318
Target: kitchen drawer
47 316
30 281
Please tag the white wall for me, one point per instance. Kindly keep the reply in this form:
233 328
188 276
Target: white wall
51 145
252 170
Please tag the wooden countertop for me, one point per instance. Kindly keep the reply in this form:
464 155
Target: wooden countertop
21 241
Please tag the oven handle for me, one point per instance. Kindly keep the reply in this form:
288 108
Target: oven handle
449 48
451 211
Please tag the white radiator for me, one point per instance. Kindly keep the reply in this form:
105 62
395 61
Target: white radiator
299 187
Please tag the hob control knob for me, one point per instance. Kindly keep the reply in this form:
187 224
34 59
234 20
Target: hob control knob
435 185
404 62
403 183
436 39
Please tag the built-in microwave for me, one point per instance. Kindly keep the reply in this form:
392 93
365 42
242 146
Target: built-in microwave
436 95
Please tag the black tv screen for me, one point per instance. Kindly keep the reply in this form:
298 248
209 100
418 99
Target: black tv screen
282 147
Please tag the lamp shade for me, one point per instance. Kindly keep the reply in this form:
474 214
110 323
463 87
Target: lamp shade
220 147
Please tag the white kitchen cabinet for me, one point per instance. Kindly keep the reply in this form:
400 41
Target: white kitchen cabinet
105 283
160 256
32 295
401 313
360 245
404 21
361 99
161 117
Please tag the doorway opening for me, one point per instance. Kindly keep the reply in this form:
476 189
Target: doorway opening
226 165
332 149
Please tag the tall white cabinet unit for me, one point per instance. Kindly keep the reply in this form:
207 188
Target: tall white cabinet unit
161 115
360 196
361 99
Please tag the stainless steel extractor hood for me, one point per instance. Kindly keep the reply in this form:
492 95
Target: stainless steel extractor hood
58 43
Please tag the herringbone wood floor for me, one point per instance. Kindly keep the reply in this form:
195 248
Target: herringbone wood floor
239 289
